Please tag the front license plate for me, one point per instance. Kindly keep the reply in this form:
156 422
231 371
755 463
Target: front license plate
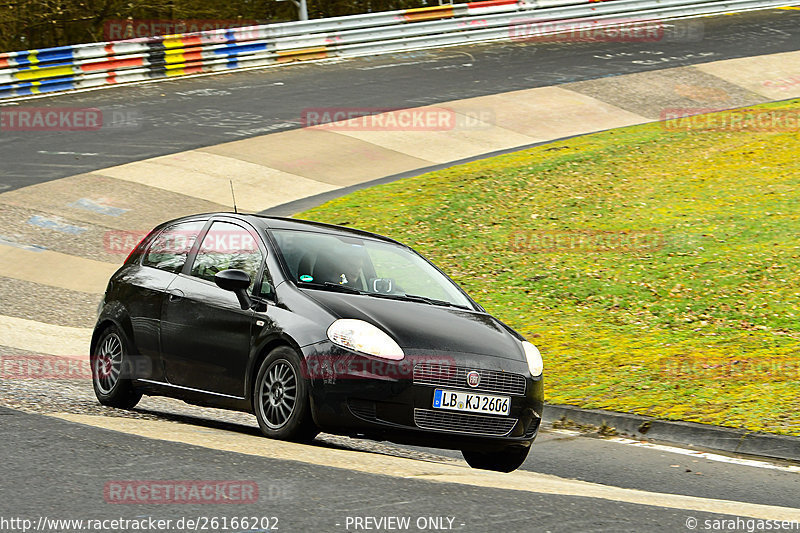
471 402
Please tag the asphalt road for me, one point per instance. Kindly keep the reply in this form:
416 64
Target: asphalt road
58 470
161 118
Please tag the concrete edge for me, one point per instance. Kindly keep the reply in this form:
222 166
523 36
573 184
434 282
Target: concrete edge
730 440
302 204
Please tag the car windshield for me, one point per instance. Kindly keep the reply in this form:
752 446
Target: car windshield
366 266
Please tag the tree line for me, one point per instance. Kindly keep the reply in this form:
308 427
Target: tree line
28 24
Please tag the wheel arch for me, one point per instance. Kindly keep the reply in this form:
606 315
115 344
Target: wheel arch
123 323
261 353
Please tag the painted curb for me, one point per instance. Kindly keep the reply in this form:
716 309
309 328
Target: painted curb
731 440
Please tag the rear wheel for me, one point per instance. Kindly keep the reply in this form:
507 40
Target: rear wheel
111 370
506 460
280 397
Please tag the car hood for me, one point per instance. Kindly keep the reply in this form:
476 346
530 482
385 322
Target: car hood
419 326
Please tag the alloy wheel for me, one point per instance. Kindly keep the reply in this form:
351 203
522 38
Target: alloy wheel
108 364
278 394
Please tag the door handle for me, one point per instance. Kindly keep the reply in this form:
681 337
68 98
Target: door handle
175 295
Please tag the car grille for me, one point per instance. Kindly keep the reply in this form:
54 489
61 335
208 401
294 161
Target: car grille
493 426
440 375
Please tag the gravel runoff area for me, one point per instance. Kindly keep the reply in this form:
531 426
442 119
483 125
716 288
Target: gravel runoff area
46 396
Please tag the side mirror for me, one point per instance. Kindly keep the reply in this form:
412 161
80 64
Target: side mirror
236 281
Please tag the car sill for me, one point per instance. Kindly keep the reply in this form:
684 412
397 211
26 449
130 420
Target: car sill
190 389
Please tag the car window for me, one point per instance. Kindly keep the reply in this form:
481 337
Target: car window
403 269
227 246
367 265
266 289
171 247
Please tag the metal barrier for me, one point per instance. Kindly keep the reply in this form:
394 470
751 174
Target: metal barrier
90 65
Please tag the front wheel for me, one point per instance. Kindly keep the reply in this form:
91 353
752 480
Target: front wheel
280 397
111 371
506 460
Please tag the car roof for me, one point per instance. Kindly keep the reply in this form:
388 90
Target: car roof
310 225
269 222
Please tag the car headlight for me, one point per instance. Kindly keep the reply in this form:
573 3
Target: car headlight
364 337
534 358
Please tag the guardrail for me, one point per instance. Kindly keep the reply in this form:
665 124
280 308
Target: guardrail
82 66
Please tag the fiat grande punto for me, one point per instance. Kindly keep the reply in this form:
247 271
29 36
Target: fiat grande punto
314 327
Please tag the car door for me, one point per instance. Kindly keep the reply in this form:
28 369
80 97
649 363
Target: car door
146 285
206 335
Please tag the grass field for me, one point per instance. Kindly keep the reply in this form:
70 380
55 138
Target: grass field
656 270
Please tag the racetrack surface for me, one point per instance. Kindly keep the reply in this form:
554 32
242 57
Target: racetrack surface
59 469
68 465
190 113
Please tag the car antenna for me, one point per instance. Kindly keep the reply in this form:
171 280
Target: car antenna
234 198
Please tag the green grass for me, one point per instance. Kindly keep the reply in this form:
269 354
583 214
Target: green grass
695 319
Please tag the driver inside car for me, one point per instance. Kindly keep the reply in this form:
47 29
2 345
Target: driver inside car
342 269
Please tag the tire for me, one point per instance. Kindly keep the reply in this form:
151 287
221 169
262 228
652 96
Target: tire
110 362
280 398
506 460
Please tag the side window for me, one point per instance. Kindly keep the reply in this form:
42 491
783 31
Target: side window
171 247
227 246
266 285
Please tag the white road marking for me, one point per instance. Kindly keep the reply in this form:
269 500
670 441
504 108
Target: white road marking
706 455
390 65
48 152
686 451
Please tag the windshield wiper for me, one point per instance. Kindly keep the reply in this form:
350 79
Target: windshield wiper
353 290
329 285
414 298
432 301
343 288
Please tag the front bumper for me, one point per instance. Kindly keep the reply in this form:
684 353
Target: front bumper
359 395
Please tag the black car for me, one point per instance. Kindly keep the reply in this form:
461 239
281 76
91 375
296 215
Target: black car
314 327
